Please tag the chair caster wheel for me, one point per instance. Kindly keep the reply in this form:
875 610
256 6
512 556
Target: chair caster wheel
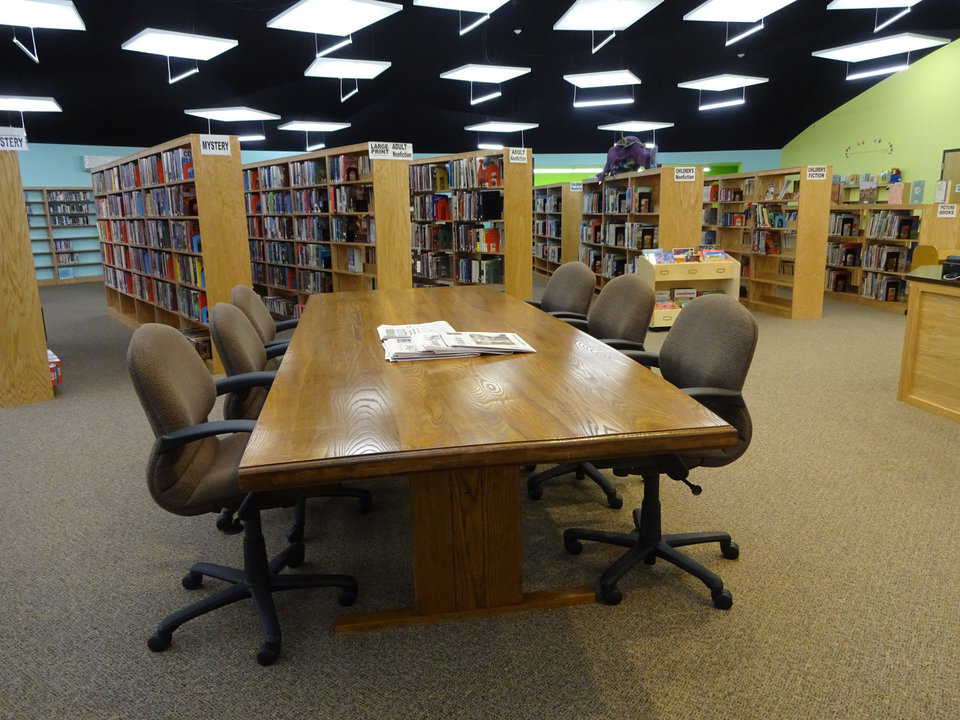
615 501
650 559
269 653
581 474
295 536
296 556
346 598
366 504
609 596
722 599
192 581
572 545
160 640
731 551
534 493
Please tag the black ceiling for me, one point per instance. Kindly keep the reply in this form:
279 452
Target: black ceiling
114 97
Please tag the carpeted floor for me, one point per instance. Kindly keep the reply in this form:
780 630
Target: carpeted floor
846 592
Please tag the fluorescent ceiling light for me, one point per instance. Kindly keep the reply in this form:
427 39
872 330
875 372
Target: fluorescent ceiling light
332 17
49 14
346 68
316 146
881 47
231 114
336 46
489 146
23 103
745 34
613 15
706 169
877 71
251 138
565 171
600 103
311 126
494 126
891 20
477 6
185 74
474 72
719 83
635 126
723 104
483 98
869 4
745 11
650 146
178 44
479 21
608 78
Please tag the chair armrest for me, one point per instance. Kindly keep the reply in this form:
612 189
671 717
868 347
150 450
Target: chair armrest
287 324
276 350
283 341
647 359
245 381
564 315
183 436
578 323
533 302
716 396
621 344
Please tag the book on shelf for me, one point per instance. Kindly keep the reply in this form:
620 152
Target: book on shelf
896 194
916 192
349 168
591 203
484 271
839 280
846 254
845 224
465 173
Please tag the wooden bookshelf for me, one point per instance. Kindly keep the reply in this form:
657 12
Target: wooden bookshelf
448 242
556 226
775 222
23 352
63 234
654 208
171 228
326 221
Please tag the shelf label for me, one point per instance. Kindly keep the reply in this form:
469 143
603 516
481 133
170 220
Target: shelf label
390 151
947 210
13 139
518 155
684 174
816 172
214 144
576 187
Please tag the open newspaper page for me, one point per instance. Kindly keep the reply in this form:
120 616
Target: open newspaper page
387 332
489 343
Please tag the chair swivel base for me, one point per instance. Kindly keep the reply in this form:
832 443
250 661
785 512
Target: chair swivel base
295 535
535 482
646 544
258 579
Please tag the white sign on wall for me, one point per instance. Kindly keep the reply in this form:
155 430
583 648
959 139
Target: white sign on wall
518 155
816 172
947 210
576 187
684 174
13 139
214 144
390 151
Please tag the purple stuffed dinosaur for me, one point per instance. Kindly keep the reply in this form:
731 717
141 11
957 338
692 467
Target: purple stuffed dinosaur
628 154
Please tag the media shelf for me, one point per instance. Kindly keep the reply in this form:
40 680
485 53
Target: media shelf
326 221
556 226
63 235
472 220
170 224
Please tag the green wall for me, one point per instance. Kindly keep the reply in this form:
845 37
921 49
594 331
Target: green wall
916 111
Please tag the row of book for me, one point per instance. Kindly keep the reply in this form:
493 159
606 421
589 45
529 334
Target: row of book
592 204
844 224
887 288
631 235
312 229
351 199
308 172
302 254
360 260
430 237
175 268
473 205
360 229
431 208
765 216
290 278
892 258
547 251
426 178
71 207
485 271
266 178
677 298
271 226
284 307
178 299
171 166
466 173
268 203
314 200
158 202
846 254
632 199
472 239
613 264
182 235
69 196
766 242
68 220
723 193
892 224
591 257
549 227
548 203
345 168
68 258
432 265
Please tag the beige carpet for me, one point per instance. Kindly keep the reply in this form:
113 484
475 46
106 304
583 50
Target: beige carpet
845 595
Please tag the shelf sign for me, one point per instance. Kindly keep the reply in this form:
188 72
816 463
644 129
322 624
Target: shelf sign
390 151
816 172
684 174
13 139
947 210
214 144
576 187
518 155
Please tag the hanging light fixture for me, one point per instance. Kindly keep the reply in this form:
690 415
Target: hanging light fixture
723 83
604 16
178 45
39 14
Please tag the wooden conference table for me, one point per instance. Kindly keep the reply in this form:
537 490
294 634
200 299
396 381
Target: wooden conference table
459 431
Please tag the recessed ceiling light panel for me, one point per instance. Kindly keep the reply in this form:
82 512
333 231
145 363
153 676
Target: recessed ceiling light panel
880 47
477 6
475 72
346 68
609 78
251 138
869 4
494 126
48 14
231 114
635 126
745 11
719 83
606 15
178 44
311 126
333 17
23 103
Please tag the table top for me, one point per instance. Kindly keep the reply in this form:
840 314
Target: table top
337 410
931 274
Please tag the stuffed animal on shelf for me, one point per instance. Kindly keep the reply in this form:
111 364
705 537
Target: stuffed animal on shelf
628 154
896 175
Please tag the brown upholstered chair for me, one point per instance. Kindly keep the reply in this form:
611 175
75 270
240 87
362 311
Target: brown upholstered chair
569 289
619 317
252 306
193 470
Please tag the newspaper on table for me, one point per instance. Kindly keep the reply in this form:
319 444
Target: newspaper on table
436 340
489 343
389 332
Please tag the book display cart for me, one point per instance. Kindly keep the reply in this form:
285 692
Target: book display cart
63 234
625 214
556 226
171 227
326 221
775 222
472 220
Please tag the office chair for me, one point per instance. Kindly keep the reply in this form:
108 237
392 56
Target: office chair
569 289
707 354
252 306
241 351
193 470
619 317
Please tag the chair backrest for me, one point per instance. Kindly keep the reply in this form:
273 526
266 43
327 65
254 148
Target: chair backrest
622 310
258 315
711 344
176 391
241 350
569 289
